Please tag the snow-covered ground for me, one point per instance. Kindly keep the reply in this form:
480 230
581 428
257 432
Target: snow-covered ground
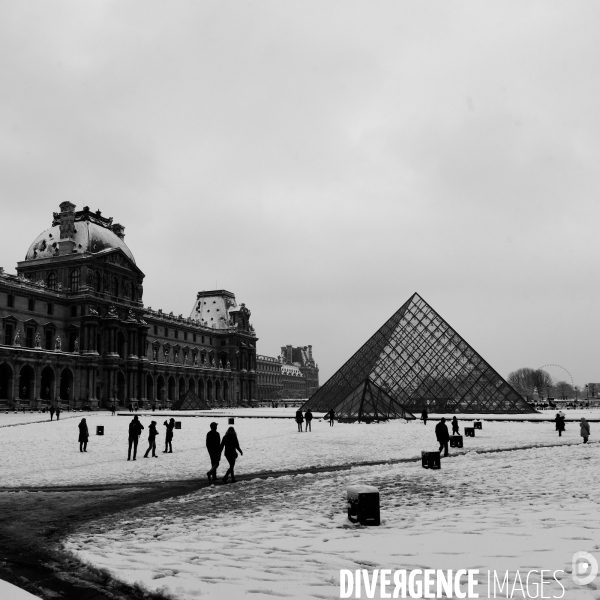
8 591
47 453
288 537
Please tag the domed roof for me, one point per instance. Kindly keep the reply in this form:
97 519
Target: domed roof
88 237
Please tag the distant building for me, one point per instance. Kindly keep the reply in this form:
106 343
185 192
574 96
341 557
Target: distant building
269 384
302 357
74 330
593 390
293 374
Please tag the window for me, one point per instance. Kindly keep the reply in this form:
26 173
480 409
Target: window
48 339
10 301
194 338
30 304
176 334
97 281
210 341
73 311
185 335
29 334
51 280
8 334
115 287
203 339
72 337
50 308
74 280
166 332
156 330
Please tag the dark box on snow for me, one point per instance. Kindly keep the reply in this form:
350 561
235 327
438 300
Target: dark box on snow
456 441
363 504
470 431
431 460
99 429
177 424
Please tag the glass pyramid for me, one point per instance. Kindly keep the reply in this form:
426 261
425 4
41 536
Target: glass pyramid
421 362
189 401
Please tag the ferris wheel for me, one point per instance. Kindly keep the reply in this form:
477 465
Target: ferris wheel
557 372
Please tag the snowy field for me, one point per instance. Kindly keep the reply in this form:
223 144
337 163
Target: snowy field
47 453
288 537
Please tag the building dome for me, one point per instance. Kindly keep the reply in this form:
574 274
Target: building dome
92 233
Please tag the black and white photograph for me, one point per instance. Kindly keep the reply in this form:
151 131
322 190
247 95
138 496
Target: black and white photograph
298 300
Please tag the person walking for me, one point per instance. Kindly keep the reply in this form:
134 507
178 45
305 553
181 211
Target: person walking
135 430
584 430
560 423
84 436
170 425
213 445
442 435
51 411
299 419
308 417
58 412
455 430
152 433
230 444
424 416
113 409
331 417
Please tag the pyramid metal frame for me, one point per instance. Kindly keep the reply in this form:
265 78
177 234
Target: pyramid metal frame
187 399
422 362
368 402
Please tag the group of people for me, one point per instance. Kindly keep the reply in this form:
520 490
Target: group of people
135 430
584 426
54 411
308 417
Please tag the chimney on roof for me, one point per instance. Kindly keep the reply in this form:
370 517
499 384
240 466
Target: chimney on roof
310 353
67 228
119 230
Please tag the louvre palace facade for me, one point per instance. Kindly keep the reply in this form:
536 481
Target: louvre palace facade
74 329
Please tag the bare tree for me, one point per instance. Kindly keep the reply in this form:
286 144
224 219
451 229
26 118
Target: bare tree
527 380
564 389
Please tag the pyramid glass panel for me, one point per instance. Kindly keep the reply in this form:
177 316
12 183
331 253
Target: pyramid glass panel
189 401
418 361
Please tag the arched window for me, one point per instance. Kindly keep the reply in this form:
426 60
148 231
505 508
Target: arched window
51 280
74 280
115 287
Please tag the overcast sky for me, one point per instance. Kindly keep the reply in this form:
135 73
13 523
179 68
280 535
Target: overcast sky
324 160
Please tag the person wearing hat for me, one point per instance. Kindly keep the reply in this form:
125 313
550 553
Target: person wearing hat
152 433
213 445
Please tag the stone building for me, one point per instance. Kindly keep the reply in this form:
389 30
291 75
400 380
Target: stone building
269 385
74 329
294 374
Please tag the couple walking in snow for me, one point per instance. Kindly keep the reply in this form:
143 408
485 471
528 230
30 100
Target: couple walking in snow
229 445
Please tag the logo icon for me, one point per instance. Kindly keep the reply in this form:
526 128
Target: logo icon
585 568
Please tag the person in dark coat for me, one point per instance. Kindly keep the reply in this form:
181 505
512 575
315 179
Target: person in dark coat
455 430
584 430
230 444
84 436
113 409
424 416
299 419
51 412
152 433
331 417
213 445
308 417
442 435
170 425
560 423
58 412
135 430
